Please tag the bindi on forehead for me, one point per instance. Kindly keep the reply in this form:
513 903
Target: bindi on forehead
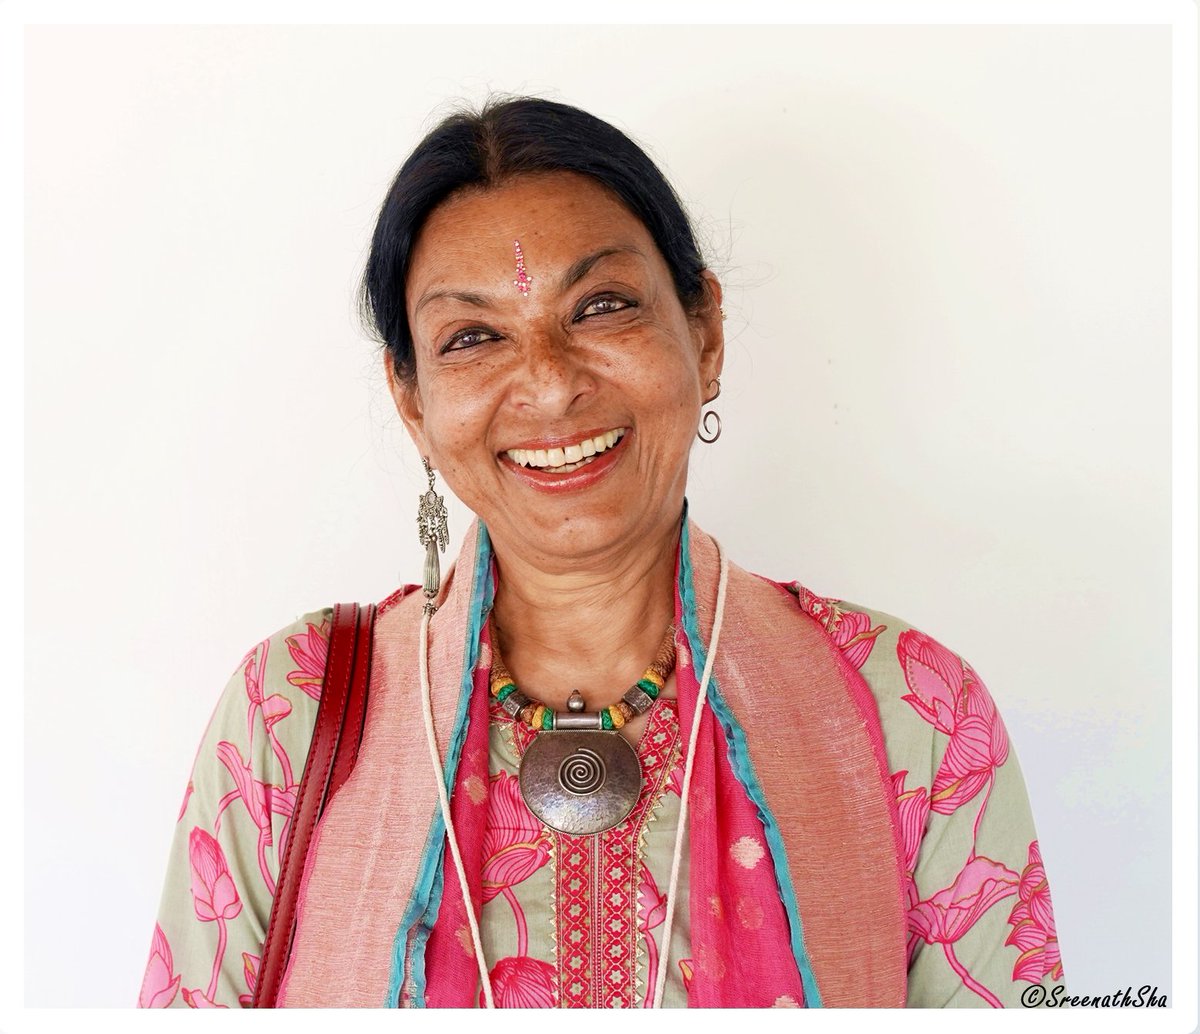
524 280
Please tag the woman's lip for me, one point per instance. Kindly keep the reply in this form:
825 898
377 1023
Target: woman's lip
583 477
562 441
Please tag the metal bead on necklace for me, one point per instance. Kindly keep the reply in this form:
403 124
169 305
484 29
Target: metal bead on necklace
580 775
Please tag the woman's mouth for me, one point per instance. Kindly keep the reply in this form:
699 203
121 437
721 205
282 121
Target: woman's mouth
565 459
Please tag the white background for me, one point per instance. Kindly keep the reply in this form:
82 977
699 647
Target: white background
946 255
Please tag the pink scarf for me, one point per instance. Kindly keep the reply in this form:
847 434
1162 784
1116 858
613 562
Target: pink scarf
796 895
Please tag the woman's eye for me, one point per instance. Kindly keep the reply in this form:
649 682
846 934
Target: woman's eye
467 339
604 304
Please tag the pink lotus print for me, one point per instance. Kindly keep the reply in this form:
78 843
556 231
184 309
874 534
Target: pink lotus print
913 807
250 965
215 899
946 916
515 844
261 801
160 984
850 630
200 1000
273 708
652 913
977 747
687 970
213 893
934 676
948 694
519 982
1032 921
309 650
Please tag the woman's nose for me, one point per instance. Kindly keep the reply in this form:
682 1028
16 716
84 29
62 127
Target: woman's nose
554 376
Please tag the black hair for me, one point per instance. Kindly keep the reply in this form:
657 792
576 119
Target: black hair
505 138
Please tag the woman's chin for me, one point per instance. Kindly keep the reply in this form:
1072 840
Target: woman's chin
564 539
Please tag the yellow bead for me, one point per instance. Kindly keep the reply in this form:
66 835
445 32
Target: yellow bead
618 719
536 719
653 676
499 684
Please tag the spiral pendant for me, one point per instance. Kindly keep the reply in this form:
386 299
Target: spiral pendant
580 783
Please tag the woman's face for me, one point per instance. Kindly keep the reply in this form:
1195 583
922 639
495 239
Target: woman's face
519 394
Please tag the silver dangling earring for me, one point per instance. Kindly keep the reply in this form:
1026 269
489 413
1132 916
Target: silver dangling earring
434 534
707 434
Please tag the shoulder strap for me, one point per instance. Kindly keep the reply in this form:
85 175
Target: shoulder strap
331 756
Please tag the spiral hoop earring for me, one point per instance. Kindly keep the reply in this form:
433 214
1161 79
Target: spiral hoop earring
710 432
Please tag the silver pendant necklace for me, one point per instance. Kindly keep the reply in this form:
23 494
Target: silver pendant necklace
580 775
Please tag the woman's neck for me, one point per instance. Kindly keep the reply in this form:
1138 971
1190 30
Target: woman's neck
594 629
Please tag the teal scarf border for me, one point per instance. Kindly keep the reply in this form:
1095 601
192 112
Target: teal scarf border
743 769
422 909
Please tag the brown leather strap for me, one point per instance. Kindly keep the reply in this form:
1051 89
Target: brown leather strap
336 736
356 706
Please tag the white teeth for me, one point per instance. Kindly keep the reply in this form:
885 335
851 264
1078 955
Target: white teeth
571 457
566 468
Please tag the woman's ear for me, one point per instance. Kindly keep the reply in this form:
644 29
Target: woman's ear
407 397
710 330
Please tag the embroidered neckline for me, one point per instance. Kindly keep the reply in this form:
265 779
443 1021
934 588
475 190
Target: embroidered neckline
599 964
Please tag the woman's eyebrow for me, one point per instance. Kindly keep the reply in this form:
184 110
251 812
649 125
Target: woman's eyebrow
482 300
577 271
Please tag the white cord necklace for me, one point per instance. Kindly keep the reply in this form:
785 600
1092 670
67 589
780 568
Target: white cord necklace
452 838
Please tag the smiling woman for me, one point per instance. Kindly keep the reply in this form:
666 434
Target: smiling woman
598 349
646 776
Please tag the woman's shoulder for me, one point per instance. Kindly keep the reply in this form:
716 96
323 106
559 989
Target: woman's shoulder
277 682
264 717
922 689
289 663
888 651
256 743
964 823
296 652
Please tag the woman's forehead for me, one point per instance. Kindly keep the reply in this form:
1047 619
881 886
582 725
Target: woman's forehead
553 218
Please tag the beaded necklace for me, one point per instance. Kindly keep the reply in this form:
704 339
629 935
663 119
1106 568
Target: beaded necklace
581 776
637 698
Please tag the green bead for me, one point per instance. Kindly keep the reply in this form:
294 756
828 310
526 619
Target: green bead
605 719
649 688
506 692
548 719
